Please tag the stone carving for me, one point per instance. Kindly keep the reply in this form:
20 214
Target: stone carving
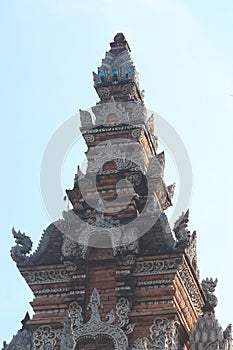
89 138
96 327
207 334
209 286
128 88
111 113
137 133
22 248
115 68
140 344
129 242
135 178
21 341
163 334
154 267
155 179
75 314
128 259
191 252
110 317
227 338
150 124
109 153
194 293
70 247
160 343
103 93
70 266
44 338
171 190
85 118
181 232
66 338
81 232
138 114
122 311
139 157
46 276
156 166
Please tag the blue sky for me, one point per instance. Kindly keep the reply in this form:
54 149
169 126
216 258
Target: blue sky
183 52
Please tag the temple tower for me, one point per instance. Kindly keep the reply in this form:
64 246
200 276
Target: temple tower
111 274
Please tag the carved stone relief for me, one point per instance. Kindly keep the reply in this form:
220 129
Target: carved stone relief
207 334
21 341
154 267
44 338
190 286
22 248
120 64
46 276
122 311
96 327
163 334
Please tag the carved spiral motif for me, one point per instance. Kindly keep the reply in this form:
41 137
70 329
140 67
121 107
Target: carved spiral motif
128 88
89 138
103 93
137 133
44 337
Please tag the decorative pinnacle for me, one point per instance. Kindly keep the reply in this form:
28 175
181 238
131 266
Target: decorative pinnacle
119 44
95 304
209 286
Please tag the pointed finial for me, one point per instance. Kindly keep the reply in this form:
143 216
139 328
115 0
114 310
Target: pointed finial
119 44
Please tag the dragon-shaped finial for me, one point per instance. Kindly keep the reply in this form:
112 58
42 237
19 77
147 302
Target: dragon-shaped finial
209 286
181 232
23 247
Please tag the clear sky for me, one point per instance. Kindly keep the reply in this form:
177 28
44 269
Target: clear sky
183 51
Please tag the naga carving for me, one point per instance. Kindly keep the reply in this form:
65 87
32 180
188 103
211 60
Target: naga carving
181 232
22 248
209 286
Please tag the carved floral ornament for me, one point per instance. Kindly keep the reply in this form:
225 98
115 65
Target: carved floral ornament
163 332
75 330
76 242
112 113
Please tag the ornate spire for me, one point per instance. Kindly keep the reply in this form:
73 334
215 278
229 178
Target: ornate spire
207 333
117 76
119 44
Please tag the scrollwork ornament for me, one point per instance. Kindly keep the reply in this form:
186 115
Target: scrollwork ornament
137 133
128 89
95 327
70 247
122 311
103 93
44 338
164 330
89 138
